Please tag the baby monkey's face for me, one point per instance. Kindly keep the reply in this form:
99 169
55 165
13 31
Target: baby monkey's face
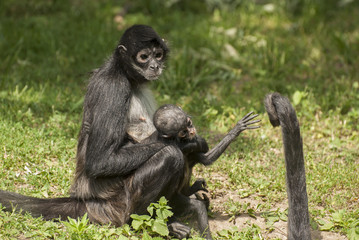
188 132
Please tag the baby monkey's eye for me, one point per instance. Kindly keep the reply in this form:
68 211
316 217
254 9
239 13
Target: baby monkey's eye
183 133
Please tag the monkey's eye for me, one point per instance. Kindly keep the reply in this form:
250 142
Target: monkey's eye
143 56
158 55
183 133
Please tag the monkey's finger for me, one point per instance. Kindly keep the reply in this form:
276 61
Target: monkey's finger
252 122
247 115
250 118
253 127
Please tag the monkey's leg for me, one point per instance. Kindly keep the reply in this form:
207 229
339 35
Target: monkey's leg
159 176
183 205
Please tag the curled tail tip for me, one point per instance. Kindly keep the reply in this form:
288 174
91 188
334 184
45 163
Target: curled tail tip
281 112
271 110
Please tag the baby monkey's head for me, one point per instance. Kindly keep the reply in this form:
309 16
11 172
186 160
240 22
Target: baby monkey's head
172 122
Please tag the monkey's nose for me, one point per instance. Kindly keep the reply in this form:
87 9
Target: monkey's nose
154 67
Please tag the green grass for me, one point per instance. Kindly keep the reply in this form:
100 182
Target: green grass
224 59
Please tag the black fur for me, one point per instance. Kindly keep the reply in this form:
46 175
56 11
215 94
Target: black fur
281 112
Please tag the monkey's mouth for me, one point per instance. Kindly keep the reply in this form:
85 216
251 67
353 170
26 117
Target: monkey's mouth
152 77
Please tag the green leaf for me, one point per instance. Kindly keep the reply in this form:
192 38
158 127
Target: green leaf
145 236
321 221
223 233
163 201
283 216
136 224
150 209
338 216
273 219
149 223
84 219
297 97
353 233
167 213
327 226
140 217
160 227
251 213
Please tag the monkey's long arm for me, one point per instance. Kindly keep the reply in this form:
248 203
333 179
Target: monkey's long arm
281 112
213 154
105 108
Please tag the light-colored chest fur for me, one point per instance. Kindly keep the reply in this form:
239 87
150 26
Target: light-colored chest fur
142 107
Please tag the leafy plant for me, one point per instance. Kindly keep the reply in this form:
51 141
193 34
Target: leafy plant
156 222
247 233
234 209
340 219
77 228
274 216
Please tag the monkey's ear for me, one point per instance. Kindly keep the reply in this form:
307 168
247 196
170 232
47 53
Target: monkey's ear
122 48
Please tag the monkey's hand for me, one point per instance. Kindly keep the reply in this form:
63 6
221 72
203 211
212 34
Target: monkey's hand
198 185
245 123
202 144
198 144
199 189
188 147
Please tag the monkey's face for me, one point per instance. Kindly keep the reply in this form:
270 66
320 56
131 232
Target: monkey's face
188 132
148 62
141 54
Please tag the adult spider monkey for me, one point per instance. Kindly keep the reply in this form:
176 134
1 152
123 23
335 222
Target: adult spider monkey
281 112
115 178
175 127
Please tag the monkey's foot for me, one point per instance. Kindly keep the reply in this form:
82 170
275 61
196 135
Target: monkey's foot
179 230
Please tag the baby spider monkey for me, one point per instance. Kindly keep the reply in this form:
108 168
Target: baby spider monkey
175 127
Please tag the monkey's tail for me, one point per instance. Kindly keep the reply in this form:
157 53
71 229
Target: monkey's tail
281 112
47 208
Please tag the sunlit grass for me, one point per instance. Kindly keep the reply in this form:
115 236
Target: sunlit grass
224 59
